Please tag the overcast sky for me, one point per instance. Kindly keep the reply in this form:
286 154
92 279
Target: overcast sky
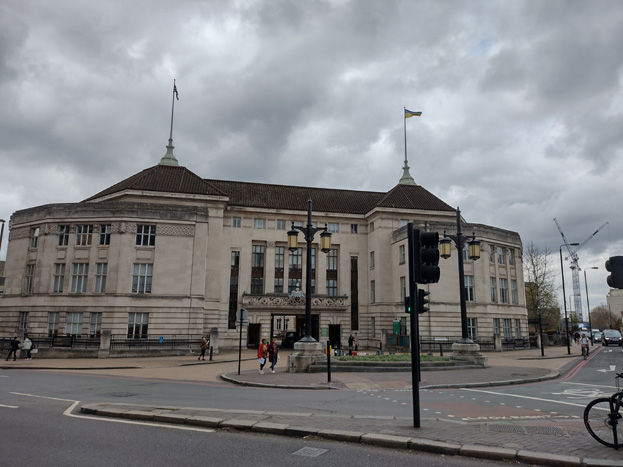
522 103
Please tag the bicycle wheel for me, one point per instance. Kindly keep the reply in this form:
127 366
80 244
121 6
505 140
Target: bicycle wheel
597 421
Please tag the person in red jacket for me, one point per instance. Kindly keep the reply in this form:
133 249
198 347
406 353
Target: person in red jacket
262 353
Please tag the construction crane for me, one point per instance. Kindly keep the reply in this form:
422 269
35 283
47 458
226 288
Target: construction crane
575 268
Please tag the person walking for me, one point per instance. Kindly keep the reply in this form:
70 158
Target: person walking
351 343
26 346
356 342
14 343
262 353
204 346
273 354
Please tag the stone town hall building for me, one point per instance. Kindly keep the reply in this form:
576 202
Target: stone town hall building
166 252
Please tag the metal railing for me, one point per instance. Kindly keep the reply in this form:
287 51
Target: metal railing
165 341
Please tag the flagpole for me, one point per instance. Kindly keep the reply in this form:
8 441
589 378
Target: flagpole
404 119
172 108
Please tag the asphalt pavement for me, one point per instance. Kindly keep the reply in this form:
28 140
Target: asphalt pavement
544 442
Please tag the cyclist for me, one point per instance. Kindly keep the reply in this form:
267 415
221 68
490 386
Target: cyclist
584 343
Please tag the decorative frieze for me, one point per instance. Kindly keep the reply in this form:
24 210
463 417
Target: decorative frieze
278 301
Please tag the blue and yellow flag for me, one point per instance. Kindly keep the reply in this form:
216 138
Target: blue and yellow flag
409 113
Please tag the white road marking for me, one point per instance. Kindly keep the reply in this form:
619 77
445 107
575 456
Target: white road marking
590 385
526 397
9 406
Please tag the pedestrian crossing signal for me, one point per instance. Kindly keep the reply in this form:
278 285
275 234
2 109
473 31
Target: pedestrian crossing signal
423 301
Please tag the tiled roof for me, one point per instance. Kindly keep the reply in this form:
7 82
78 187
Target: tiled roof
171 179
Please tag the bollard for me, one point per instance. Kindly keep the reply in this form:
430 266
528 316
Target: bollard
211 349
440 349
328 361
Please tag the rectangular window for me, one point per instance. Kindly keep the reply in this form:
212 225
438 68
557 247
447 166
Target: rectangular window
233 289
23 321
372 260
259 223
59 277
501 255
466 252
403 222
503 290
514 297
372 292
83 235
354 293
34 237
496 326
469 288
472 328
73 326
104 237
313 271
63 235
295 272
371 227
53 323
331 273
145 235
511 257
281 224
29 285
494 289
353 228
79 275
491 254
279 268
138 324
507 328
141 278
236 222
95 326
517 329
401 254
333 227
373 326
403 288
101 270
257 269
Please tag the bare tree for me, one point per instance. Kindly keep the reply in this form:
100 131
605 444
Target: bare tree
602 318
540 288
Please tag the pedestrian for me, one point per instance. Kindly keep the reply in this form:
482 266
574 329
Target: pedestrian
262 353
577 337
351 343
26 346
204 346
14 343
584 342
356 343
273 354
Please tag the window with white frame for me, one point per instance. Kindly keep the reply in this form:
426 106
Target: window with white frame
469 288
34 237
373 326
401 254
142 275
259 223
59 278
29 285
23 321
514 297
101 270
331 272
79 276
63 235
517 329
372 260
73 325
257 269
333 227
472 328
511 257
295 272
138 324
496 326
503 290
507 328
372 292
371 227
403 288
145 235
236 222
491 254
279 268
83 234
494 290
95 326
501 255
278 326
466 252
53 323
281 224
353 228
104 236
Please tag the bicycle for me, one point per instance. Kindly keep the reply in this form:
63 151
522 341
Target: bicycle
603 419
585 351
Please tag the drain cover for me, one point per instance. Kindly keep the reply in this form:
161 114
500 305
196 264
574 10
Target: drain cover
310 452
506 428
547 430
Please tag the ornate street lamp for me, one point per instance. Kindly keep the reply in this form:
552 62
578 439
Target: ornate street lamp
445 251
325 245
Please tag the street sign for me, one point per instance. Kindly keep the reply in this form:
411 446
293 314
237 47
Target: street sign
161 339
242 312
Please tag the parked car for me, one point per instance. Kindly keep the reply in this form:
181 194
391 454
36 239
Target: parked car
289 339
611 336
597 336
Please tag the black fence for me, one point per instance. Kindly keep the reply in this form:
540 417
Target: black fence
444 344
165 341
44 341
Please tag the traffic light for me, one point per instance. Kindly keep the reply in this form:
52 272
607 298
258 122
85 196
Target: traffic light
422 301
614 266
425 257
407 305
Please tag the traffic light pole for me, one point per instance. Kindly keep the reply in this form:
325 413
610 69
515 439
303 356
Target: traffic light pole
413 322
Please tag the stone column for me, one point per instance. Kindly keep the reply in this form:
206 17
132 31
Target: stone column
104 350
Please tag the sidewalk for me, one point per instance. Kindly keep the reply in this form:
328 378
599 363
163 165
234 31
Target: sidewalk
543 441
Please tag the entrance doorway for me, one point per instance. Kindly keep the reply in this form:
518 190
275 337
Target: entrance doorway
253 336
335 336
315 326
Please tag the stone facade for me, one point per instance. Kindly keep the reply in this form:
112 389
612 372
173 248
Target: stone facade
217 247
